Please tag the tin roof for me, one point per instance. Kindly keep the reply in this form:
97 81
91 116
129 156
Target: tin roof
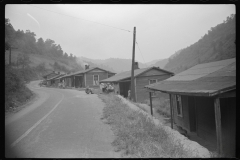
127 74
206 79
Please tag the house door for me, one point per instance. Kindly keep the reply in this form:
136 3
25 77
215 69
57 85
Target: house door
206 127
124 87
228 121
192 113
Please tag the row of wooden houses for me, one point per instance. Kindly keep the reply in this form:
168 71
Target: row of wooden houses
202 98
89 77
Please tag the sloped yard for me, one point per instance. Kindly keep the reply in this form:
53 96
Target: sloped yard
141 136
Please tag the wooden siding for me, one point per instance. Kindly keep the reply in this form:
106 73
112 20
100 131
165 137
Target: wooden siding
206 127
141 82
89 78
154 72
184 120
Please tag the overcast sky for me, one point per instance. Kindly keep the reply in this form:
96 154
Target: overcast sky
161 30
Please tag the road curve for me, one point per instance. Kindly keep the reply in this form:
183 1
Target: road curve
61 123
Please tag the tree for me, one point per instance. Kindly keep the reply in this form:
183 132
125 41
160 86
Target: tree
23 60
41 67
71 56
9 33
59 50
65 55
40 46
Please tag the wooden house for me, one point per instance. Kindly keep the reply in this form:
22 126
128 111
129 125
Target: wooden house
89 77
203 102
54 80
50 75
142 77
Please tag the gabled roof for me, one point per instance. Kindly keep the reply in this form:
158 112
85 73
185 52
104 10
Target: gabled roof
85 71
206 79
127 74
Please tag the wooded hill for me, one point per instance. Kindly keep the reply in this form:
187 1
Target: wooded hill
217 44
39 52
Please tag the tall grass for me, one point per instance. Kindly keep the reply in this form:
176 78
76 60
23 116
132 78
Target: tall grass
136 135
161 105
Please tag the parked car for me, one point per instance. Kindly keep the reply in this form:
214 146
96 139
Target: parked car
43 83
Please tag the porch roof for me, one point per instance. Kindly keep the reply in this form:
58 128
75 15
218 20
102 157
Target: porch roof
206 79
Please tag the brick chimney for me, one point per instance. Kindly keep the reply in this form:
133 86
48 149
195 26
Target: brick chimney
136 65
86 66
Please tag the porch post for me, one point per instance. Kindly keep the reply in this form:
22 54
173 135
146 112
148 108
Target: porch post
171 110
218 124
150 95
74 82
85 81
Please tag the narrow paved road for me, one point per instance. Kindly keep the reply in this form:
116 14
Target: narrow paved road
59 123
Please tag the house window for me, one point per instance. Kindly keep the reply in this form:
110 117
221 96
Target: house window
179 106
151 81
95 79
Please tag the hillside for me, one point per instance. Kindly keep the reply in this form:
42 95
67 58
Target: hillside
119 65
30 60
31 52
160 63
218 44
116 64
93 63
36 60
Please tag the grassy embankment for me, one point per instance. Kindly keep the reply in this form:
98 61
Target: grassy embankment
16 92
136 135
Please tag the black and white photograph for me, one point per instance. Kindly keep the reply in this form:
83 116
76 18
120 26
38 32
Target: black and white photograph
120 80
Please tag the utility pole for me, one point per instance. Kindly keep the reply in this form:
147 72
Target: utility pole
133 96
10 54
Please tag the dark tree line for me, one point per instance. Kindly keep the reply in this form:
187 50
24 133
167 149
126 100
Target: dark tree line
217 44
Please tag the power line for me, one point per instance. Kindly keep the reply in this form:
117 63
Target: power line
82 19
141 54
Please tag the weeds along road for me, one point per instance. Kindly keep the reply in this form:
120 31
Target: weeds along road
60 123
